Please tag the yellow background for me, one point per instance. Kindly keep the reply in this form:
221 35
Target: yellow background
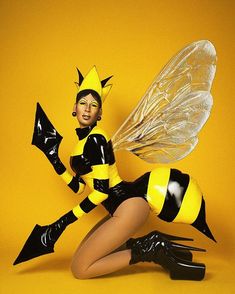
42 42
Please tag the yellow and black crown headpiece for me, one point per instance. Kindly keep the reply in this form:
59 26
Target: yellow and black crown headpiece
92 82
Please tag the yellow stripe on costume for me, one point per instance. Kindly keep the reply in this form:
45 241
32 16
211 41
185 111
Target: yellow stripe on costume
97 197
157 188
101 171
67 177
78 212
99 131
78 149
191 204
114 177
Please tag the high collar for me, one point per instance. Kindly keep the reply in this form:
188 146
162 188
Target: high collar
83 132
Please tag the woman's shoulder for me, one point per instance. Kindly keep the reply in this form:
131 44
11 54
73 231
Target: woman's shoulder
97 132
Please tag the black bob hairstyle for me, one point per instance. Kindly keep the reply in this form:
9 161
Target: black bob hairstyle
86 92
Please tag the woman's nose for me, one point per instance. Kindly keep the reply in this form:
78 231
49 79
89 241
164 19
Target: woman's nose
87 108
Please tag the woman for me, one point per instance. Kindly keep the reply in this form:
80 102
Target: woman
127 218
108 247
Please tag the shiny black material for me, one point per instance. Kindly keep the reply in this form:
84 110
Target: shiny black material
158 248
200 222
86 205
173 202
80 78
33 247
42 239
74 113
47 139
125 190
101 185
110 152
75 183
103 82
80 164
83 132
96 151
183 253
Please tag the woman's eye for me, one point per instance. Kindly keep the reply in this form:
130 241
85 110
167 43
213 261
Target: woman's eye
94 105
82 103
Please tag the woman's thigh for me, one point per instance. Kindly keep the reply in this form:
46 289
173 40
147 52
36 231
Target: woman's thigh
103 220
127 219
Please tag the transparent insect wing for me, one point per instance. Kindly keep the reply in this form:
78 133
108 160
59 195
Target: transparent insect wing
164 125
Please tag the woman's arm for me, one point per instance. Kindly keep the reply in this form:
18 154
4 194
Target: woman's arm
47 139
75 183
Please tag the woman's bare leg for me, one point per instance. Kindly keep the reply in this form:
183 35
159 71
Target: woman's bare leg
103 220
95 257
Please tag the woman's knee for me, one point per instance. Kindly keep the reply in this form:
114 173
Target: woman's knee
129 216
77 274
78 270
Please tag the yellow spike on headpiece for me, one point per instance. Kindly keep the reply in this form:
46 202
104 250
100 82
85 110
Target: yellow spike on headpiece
92 82
105 91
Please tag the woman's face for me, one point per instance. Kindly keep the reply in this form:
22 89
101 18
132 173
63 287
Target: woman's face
87 110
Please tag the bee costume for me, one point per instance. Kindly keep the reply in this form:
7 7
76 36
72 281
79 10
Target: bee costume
162 128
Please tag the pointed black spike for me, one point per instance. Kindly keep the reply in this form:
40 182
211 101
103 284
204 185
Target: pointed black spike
185 247
103 82
40 118
172 237
34 247
200 223
80 77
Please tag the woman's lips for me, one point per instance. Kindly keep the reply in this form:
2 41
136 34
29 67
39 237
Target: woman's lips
86 117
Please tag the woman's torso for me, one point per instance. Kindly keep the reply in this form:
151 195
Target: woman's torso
85 155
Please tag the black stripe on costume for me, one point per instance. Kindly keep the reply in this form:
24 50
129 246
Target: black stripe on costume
80 164
140 185
86 205
95 149
177 186
75 183
110 153
101 185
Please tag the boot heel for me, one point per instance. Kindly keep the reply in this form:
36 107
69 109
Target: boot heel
173 257
183 254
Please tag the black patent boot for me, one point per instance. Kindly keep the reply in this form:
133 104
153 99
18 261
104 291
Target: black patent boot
183 253
157 247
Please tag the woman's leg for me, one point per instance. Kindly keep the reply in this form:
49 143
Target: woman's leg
95 257
96 226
